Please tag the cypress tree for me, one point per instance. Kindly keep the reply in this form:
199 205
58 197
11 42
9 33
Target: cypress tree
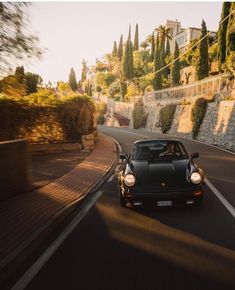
162 57
114 52
127 60
19 74
120 48
157 81
136 39
168 51
157 43
84 71
175 70
152 47
230 34
202 67
222 34
72 80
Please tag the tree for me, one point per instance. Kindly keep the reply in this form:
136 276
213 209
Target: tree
84 71
202 67
19 74
32 82
72 80
114 52
230 33
127 60
152 46
15 42
167 56
162 57
168 51
157 81
136 39
144 45
164 33
222 34
120 48
175 70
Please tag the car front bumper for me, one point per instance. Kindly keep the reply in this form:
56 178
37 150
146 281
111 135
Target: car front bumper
174 198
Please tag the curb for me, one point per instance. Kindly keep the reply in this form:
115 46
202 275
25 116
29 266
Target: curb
12 262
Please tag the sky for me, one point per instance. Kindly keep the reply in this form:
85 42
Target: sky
73 31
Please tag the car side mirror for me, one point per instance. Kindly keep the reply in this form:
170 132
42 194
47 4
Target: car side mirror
195 155
123 156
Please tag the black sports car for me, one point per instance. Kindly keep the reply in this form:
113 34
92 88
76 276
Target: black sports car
160 173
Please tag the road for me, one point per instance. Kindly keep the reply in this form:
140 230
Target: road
121 248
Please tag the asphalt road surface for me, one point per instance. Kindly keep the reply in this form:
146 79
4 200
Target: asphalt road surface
174 248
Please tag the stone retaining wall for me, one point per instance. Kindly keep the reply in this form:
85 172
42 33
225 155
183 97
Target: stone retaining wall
218 126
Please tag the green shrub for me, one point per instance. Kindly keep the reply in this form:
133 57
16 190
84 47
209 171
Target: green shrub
139 116
167 117
197 115
100 119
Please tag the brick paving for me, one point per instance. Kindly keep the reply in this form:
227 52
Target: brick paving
22 218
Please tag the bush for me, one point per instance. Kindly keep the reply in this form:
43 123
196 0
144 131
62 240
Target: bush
139 116
52 121
167 117
100 119
197 115
101 110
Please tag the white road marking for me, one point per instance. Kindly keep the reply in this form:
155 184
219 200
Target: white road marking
223 200
111 178
35 268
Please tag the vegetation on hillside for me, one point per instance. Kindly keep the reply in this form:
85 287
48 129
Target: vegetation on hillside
166 117
197 114
45 117
139 116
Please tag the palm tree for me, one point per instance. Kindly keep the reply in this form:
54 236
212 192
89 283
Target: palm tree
144 45
149 38
164 33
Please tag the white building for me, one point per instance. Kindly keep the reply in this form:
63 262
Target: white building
183 36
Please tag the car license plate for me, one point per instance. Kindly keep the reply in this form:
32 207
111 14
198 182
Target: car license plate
164 203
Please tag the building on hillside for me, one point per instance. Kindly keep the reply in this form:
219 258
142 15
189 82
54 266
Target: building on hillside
183 36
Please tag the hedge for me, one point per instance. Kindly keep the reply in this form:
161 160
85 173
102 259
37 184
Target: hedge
60 121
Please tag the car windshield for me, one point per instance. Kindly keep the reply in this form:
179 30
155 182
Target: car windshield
158 149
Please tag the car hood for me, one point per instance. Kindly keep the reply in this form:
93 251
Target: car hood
162 173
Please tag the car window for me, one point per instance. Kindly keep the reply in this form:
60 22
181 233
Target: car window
151 150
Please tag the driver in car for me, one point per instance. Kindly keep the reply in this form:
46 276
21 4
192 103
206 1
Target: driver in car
170 150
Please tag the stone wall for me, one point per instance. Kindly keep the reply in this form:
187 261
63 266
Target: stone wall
218 126
182 124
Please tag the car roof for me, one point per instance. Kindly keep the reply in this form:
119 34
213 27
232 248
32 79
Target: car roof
159 139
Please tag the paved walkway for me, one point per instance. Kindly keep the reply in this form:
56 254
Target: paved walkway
25 217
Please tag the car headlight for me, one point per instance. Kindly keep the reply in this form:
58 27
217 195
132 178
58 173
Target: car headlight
129 180
196 178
